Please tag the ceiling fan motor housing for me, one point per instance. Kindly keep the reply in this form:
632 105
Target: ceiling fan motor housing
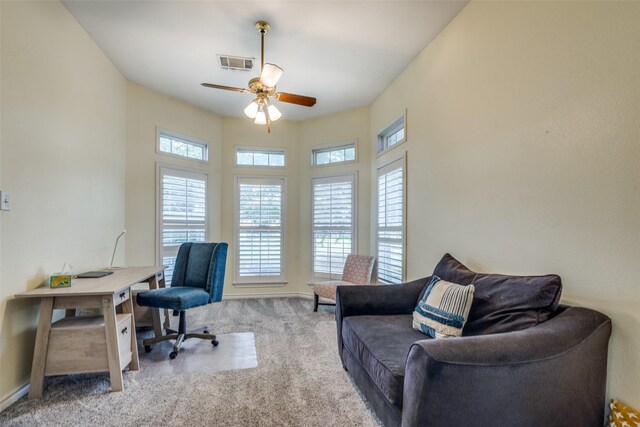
262 26
256 87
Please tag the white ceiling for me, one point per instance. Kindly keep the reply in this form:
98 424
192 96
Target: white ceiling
344 53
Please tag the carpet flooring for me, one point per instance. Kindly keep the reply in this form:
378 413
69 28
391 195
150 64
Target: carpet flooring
299 380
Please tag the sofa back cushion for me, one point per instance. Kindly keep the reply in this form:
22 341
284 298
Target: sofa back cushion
503 303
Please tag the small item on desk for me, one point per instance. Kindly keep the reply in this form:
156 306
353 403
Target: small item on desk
93 274
60 280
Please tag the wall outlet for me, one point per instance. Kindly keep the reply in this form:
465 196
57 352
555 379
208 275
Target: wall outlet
5 201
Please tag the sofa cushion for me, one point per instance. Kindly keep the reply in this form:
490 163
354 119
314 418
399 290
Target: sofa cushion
177 298
381 344
328 289
443 310
503 303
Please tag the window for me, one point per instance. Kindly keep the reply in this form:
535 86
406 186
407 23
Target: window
333 224
180 146
393 134
390 229
182 212
260 157
260 230
334 154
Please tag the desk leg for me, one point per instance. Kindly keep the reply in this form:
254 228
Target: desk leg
127 307
113 350
166 324
41 348
155 312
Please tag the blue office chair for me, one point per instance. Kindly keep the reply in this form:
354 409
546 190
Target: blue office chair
198 279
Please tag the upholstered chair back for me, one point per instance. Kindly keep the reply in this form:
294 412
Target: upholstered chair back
358 269
201 265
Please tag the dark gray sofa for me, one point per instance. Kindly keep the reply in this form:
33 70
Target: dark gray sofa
523 360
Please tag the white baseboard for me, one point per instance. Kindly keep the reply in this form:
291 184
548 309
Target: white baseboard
14 397
268 295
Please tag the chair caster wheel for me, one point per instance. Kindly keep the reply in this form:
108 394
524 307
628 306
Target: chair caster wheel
148 348
173 354
206 331
215 343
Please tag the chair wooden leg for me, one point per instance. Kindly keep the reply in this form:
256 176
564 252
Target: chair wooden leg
315 302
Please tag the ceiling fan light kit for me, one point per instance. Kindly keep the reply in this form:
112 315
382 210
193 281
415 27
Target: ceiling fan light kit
261 109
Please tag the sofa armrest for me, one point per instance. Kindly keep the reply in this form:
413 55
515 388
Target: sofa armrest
378 299
550 374
364 300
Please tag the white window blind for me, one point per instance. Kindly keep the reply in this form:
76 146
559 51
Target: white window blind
260 230
391 230
333 224
183 212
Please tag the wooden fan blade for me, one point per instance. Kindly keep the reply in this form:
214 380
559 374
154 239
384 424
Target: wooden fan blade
234 89
292 98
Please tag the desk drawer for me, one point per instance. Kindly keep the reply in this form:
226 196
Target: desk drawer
124 340
120 297
78 344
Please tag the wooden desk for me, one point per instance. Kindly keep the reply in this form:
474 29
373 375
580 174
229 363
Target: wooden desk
75 337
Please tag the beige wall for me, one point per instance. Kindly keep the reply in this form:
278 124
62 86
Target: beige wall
523 154
148 110
63 133
335 128
284 134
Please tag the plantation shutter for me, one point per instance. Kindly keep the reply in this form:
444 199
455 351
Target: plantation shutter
260 230
183 212
333 224
390 233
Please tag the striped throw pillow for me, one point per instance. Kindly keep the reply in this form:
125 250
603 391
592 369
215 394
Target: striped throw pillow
443 310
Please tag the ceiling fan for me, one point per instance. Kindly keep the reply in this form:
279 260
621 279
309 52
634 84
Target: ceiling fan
264 87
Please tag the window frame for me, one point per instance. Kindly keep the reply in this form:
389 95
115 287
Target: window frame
159 221
253 280
384 168
382 146
354 220
274 150
189 139
331 147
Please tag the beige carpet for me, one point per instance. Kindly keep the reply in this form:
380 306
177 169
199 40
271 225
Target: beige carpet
299 380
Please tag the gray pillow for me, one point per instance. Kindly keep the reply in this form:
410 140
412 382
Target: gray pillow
503 303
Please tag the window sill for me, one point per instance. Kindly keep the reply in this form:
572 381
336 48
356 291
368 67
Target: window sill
260 285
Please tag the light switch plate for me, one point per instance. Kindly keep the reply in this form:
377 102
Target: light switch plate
5 201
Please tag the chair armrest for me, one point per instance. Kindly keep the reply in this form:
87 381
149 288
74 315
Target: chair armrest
539 376
363 300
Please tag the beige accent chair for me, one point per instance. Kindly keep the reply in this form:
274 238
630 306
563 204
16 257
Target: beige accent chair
358 270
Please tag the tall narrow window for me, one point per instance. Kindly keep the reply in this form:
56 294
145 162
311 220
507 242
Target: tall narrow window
264 157
391 227
334 154
177 145
333 224
260 230
183 212
393 134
